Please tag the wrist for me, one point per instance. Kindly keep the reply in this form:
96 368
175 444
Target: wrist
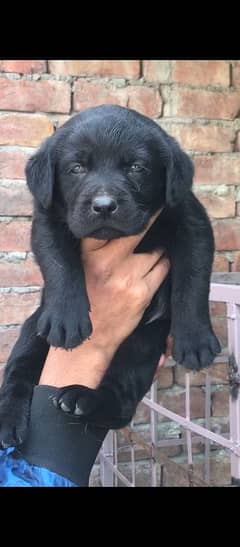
104 348
54 443
95 360
84 365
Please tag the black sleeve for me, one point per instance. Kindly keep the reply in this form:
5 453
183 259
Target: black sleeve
60 442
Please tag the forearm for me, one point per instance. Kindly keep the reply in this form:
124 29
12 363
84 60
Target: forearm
84 365
58 442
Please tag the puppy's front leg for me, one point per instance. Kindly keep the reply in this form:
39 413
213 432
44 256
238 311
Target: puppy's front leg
195 344
65 318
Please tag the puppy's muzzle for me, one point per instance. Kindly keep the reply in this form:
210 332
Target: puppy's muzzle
104 205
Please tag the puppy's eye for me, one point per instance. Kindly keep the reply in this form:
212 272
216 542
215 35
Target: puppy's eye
136 168
78 168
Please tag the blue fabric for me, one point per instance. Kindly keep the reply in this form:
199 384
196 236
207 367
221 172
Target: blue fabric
15 471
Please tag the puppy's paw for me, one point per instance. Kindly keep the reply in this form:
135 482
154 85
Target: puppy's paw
65 327
195 349
98 407
77 400
14 417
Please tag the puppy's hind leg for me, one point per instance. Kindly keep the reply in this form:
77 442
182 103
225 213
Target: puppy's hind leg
21 373
113 404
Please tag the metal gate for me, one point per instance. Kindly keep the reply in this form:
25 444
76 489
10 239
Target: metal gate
224 288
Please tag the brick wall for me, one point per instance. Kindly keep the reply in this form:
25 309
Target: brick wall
198 102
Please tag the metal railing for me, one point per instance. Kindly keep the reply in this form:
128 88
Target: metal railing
224 288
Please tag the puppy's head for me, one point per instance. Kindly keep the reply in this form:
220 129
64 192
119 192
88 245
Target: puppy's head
108 169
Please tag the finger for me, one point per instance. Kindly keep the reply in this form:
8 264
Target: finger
162 360
144 262
161 364
164 356
123 246
116 248
157 275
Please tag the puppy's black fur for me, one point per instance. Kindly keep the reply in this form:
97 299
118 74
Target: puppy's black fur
103 174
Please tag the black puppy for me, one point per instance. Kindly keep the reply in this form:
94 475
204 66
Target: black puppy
103 174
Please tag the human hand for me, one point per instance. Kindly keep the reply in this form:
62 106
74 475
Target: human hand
120 285
164 356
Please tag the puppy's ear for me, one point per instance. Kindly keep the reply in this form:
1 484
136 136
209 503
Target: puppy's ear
40 174
179 174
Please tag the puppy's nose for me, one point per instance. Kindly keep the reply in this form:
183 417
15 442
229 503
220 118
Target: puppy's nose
104 205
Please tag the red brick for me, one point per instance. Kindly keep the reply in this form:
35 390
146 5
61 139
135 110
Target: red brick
31 96
238 142
236 264
236 74
218 308
144 435
220 402
218 206
142 415
15 235
140 453
24 129
123 69
202 73
165 377
220 328
16 307
218 373
217 169
157 71
12 163
220 263
145 100
175 401
203 138
199 103
88 94
20 274
220 469
227 235
8 338
24 67
15 199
